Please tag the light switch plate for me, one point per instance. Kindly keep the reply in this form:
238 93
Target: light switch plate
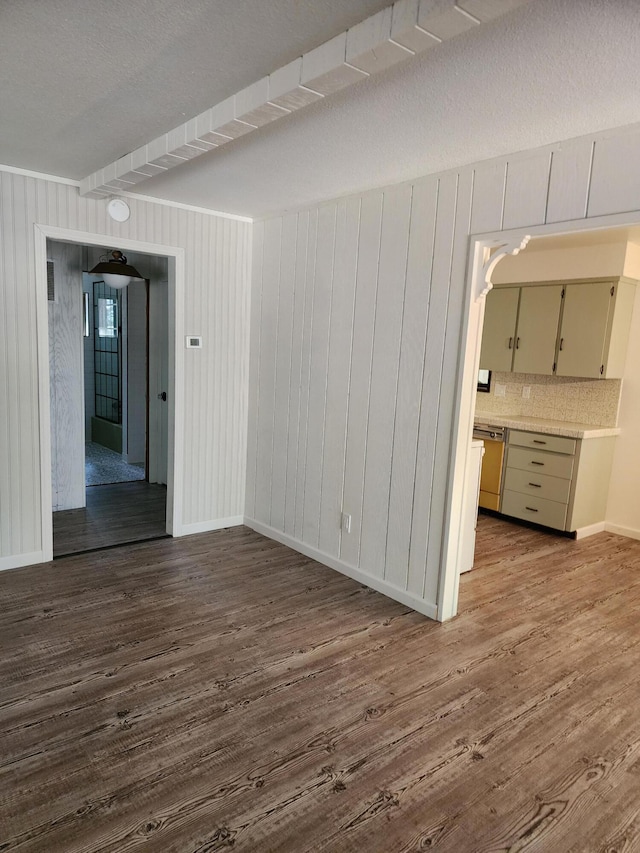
501 390
194 342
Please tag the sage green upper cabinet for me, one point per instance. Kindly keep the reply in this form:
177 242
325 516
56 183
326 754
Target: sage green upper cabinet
594 329
499 332
537 329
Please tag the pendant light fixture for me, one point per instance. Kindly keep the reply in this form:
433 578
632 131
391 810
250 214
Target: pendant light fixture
115 270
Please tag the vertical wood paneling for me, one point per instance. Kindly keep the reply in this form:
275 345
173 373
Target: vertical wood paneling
446 409
267 368
310 265
254 365
410 379
430 397
341 331
615 177
362 348
569 181
322 294
384 377
488 196
525 200
217 299
293 427
283 371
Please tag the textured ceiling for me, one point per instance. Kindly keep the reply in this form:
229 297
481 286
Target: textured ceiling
87 81
548 71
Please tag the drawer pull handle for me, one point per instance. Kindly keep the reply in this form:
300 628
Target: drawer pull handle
535 485
533 462
517 343
511 343
538 441
531 509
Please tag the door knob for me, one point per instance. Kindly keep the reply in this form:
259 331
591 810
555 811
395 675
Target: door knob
163 396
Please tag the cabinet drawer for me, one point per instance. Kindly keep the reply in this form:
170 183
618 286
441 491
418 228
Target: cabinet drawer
542 441
540 485
531 508
555 464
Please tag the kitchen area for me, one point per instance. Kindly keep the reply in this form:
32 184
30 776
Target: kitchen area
558 398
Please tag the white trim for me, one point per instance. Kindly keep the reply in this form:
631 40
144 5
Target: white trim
43 176
182 206
465 384
18 561
56 179
207 526
394 592
175 451
591 529
629 532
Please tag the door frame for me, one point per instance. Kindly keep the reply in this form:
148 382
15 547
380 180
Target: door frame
175 449
485 251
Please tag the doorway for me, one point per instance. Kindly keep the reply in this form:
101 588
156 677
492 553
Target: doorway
105 426
566 248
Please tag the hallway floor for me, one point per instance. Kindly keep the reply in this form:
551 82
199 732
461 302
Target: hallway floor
103 466
114 514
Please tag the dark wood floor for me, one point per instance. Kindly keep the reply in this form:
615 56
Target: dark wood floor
220 691
114 514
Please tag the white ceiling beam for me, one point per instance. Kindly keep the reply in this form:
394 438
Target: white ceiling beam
392 35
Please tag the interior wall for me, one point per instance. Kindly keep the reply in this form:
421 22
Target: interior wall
66 357
357 317
216 300
623 506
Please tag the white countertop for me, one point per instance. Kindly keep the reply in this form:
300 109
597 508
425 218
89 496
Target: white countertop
529 424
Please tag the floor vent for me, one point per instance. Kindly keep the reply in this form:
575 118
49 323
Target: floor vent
51 287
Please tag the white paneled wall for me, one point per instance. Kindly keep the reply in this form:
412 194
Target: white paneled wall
356 326
216 303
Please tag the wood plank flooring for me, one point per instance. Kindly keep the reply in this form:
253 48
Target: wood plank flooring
222 692
114 514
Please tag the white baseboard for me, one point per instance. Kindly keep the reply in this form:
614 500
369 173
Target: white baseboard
629 532
590 529
18 561
427 608
208 526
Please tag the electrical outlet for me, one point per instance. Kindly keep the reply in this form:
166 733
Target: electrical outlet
346 522
501 390
526 391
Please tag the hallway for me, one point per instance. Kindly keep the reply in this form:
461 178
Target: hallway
115 514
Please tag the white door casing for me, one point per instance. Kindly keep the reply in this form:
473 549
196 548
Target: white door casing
158 380
175 426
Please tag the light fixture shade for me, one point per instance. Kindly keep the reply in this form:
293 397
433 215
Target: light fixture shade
116 280
116 272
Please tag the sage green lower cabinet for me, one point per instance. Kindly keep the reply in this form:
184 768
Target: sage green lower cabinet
559 482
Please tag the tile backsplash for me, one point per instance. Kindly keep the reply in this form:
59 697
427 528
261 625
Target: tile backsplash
586 401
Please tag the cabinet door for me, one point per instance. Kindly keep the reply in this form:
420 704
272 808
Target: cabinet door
499 330
583 331
537 329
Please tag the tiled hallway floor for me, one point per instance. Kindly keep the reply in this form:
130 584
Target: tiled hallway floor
104 466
